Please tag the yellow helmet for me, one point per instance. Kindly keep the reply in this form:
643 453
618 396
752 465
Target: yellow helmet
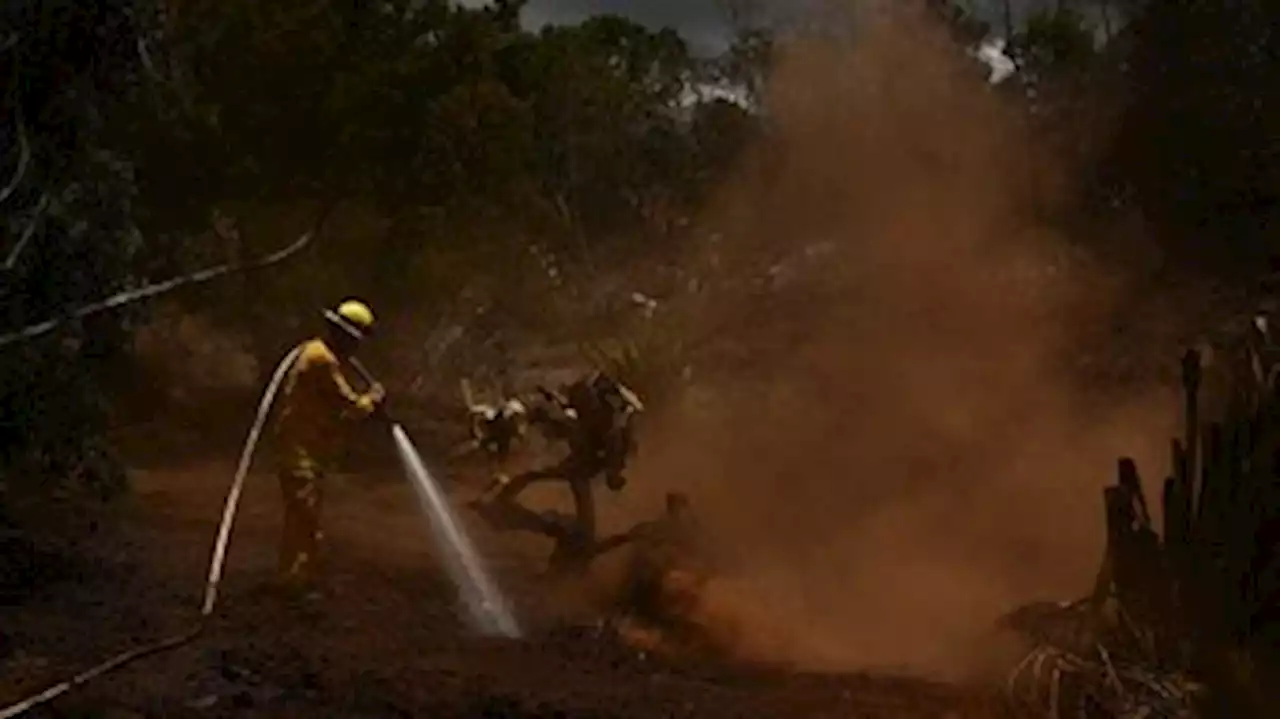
353 317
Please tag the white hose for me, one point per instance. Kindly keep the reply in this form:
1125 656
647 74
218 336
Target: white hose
237 484
215 566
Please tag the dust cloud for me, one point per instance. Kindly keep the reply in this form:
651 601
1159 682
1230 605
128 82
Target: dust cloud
918 458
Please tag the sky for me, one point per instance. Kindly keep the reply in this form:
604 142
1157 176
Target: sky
703 23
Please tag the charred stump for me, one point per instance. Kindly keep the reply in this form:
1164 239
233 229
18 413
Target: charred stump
1205 588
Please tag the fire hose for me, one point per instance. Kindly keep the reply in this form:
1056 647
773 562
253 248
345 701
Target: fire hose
233 496
215 566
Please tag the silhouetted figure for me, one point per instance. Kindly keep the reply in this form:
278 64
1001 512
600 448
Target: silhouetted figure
594 417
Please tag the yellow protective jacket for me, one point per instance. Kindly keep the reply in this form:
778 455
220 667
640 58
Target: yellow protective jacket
314 402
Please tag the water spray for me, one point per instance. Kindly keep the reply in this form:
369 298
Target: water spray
486 607
488 610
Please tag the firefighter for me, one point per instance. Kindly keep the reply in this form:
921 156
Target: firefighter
315 402
663 604
666 569
495 429
594 416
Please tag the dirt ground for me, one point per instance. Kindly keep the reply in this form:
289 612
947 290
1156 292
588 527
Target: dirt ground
385 641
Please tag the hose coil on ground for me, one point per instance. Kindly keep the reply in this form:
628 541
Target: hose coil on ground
215 565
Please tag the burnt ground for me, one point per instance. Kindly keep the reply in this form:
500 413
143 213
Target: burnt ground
384 642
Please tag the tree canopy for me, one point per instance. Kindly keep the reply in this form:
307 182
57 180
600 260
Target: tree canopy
72 73
1197 148
150 138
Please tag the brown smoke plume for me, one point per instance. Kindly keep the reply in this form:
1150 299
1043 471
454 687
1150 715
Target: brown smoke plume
918 459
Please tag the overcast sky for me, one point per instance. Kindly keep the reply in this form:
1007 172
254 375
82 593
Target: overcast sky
701 21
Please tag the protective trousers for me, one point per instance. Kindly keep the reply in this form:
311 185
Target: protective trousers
300 485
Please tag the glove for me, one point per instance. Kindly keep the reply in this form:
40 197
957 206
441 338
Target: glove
380 411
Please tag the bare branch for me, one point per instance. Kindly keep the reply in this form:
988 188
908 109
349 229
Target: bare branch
145 56
130 296
1112 676
24 156
27 234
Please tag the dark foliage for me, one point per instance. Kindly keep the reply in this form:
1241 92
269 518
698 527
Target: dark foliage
1199 146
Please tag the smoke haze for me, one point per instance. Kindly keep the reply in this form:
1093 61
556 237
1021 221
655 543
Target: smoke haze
918 459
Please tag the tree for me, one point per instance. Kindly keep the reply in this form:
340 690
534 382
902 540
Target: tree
68 197
443 130
1196 150
1055 41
